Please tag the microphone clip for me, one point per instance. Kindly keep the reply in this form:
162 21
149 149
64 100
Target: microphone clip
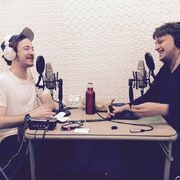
140 80
39 81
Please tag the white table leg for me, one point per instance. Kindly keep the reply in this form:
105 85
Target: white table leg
167 149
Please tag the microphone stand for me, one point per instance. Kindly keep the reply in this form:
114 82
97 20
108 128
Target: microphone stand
131 94
51 84
60 95
39 80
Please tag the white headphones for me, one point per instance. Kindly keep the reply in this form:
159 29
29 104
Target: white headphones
8 51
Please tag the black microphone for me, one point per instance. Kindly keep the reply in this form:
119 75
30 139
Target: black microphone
150 63
40 65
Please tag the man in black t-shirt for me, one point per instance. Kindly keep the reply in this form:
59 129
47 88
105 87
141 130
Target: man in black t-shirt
163 96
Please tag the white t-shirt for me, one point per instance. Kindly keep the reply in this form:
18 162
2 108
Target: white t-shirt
18 96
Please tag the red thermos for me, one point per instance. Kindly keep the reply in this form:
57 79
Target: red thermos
90 99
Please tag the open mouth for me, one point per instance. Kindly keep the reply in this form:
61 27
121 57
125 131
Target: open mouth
160 52
31 57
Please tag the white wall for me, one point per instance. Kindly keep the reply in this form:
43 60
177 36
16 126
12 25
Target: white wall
90 40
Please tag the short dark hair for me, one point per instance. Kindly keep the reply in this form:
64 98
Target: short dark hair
172 28
15 44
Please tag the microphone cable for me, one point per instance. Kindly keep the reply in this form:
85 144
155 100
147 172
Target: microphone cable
13 157
45 130
3 173
150 128
71 125
16 154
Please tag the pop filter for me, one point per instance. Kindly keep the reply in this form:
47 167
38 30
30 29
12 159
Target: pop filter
40 64
149 61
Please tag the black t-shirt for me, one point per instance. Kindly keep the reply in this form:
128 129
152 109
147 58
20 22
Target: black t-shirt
165 89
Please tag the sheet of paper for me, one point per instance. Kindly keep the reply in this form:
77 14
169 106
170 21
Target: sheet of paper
60 117
82 130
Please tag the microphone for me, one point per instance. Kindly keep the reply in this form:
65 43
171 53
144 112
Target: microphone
150 63
141 75
50 81
40 65
140 80
50 78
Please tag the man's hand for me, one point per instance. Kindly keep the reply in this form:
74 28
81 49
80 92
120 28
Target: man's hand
150 109
118 109
42 111
45 98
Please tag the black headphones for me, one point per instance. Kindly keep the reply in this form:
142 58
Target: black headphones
176 33
177 40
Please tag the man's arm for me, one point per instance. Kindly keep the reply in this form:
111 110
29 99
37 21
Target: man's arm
42 111
46 99
150 109
9 121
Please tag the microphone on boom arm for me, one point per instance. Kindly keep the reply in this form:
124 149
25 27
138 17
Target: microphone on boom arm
51 81
141 77
140 80
50 78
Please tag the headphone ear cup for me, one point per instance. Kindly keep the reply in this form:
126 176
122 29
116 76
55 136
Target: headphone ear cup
9 53
177 41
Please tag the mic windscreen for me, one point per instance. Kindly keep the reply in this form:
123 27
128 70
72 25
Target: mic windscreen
141 74
50 78
40 64
149 61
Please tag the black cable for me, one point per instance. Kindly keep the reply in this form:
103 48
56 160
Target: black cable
3 173
16 169
20 147
134 124
70 125
45 130
100 115
53 97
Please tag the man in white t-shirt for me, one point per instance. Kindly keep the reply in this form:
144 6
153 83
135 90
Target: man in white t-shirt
18 93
